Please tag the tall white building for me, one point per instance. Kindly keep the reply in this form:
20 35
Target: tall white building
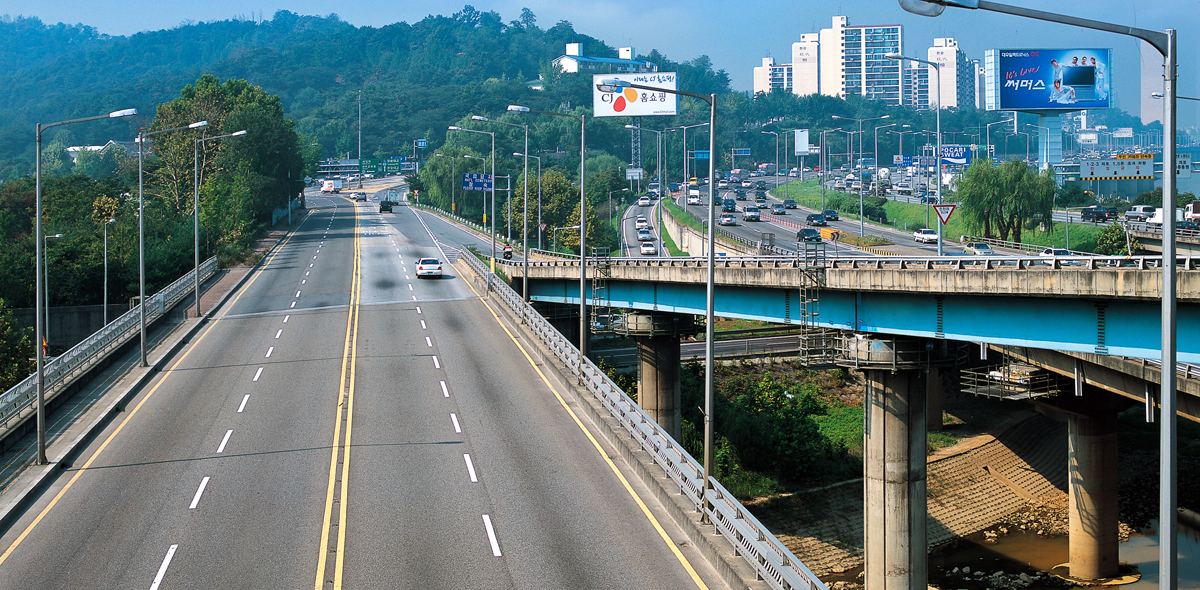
771 75
806 65
853 61
957 84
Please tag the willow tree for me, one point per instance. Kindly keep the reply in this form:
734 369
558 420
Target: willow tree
1000 201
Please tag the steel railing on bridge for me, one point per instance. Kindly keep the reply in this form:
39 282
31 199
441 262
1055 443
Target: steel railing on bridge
20 401
771 560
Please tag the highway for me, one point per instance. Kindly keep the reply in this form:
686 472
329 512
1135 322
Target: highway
340 423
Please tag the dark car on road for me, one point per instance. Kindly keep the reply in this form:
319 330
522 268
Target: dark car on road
830 215
808 234
789 203
815 219
1094 214
385 206
740 195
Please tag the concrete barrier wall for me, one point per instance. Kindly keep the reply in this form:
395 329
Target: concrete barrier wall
71 324
694 242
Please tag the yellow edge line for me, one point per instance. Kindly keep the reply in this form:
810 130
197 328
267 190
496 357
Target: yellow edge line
356 299
628 488
323 548
104 445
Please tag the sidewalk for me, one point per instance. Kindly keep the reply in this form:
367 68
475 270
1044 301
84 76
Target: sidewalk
78 419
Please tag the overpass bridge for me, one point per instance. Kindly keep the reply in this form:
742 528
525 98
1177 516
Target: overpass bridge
901 320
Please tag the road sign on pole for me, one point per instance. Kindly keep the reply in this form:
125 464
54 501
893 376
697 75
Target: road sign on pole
944 212
741 152
700 154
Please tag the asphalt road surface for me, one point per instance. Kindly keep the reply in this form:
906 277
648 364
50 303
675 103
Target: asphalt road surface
341 423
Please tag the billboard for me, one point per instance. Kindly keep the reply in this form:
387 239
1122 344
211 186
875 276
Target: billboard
1048 79
956 155
802 142
636 102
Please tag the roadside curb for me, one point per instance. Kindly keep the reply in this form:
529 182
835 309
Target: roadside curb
30 485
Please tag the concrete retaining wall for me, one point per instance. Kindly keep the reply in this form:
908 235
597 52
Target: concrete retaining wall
693 242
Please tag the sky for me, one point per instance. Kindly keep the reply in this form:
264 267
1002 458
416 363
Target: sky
736 39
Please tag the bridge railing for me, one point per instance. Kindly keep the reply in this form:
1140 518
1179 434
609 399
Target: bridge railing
772 561
19 401
901 262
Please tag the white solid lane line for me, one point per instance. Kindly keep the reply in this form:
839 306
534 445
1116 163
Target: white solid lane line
470 468
162 569
278 333
224 441
258 373
453 419
199 492
436 364
269 351
491 533
428 342
243 406
445 392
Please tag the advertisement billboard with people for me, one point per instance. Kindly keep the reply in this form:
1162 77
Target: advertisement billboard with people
1048 79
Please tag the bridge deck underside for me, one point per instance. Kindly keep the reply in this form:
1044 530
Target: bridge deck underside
1124 328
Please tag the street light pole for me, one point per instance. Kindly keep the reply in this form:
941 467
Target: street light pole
711 99
1165 42
196 212
141 141
937 158
877 183
493 184
105 226
776 134
39 329
583 325
46 262
539 221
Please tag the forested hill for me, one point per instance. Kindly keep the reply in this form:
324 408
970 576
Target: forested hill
415 79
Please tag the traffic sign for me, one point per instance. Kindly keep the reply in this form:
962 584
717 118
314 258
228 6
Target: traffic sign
541 227
1183 165
633 174
832 234
421 143
700 154
741 152
476 182
368 166
944 212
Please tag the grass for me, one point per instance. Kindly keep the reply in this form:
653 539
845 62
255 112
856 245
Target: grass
843 426
667 242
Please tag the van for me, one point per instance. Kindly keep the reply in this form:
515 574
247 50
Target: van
750 213
1139 213
693 197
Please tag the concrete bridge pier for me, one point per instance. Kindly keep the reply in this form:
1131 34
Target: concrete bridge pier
1092 486
897 552
657 335
898 381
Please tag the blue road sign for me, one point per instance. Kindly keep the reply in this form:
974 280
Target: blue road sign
421 143
741 152
701 154
477 182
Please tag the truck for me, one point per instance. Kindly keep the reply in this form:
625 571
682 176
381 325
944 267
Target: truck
332 186
1156 219
1191 212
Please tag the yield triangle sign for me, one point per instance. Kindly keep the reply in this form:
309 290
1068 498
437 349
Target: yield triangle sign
944 212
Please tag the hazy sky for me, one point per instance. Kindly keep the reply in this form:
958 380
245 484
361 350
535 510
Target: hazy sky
735 38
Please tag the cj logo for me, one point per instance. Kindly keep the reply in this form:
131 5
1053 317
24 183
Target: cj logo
620 100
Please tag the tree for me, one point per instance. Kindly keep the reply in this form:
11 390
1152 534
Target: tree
16 349
1114 241
1154 198
1005 199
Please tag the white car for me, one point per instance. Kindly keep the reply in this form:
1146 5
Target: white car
641 223
649 249
926 236
747 184
429 267
722 183
644 202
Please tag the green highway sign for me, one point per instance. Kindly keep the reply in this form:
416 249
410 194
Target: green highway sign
368 166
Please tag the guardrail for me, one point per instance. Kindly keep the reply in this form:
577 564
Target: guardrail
771 560
902 262
18 402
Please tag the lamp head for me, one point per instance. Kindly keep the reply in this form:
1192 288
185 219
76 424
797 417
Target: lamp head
122 113
631 127
894 56
238 133
514 108
111 221
1156 94
454 128
198 125
478 118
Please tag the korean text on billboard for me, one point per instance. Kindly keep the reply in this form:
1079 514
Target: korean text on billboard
635 102
1047 79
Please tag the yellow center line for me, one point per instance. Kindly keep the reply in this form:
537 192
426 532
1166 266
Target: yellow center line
166 375
600 449
349 358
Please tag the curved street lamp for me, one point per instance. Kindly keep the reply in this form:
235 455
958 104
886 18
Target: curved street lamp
106 224
493 183
524 210
539 160
937 168
583 323
196 211
39 329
